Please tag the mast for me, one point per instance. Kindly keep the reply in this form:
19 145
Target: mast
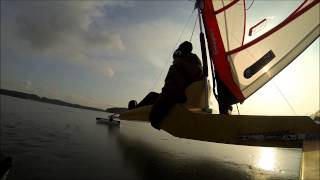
221 72
199 6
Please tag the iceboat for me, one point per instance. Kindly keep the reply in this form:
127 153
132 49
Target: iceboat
109 121
190 121
244 58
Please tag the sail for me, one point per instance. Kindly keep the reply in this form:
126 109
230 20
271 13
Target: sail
244 67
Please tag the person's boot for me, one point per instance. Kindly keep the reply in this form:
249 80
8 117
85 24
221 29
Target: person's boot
225 109
230 110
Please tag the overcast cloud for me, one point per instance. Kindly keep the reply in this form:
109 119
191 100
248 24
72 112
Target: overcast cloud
65 29
97 38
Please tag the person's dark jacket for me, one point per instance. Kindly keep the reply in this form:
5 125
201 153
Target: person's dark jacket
186 69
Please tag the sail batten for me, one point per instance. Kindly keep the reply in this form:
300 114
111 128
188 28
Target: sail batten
279 26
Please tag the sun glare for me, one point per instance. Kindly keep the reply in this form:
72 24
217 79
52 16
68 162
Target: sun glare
267 159
265 69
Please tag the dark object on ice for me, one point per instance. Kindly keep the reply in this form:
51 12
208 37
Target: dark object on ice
110 120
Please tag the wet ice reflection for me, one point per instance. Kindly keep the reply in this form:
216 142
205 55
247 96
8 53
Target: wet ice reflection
267 159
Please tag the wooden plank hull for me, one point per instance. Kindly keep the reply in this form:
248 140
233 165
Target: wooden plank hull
310 162
270 131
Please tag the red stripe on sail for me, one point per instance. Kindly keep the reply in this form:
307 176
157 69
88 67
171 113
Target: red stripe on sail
217 51
279 26
226 7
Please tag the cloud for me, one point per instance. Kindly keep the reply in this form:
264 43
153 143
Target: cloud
84 32
108 71
152 41
65 30
50 24
103 39
57 24
85 37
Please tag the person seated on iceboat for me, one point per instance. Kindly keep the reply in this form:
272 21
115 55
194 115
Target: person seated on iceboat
185 69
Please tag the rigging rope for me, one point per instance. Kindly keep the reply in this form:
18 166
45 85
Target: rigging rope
163 67
195 23
284 97
250 5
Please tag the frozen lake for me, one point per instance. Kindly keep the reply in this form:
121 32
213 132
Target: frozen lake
54 142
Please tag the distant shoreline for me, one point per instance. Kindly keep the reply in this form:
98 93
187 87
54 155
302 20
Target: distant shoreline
35 97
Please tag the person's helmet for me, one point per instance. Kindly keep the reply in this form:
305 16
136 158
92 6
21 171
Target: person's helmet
132 104
185 47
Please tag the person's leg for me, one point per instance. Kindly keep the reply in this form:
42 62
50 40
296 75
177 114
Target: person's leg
225 108
225 98
149 99
159 110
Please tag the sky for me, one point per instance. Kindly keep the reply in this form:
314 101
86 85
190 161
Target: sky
104 53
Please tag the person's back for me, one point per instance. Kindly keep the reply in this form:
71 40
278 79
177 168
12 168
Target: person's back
186 69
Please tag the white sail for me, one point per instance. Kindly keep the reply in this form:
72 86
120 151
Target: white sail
231 22
252 64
